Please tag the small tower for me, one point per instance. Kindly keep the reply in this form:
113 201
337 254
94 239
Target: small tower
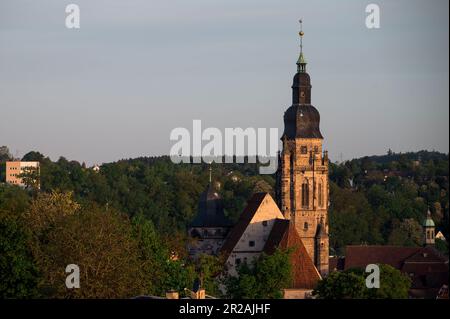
429 229
210 226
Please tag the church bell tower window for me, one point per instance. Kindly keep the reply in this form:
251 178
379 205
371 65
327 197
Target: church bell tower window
305 195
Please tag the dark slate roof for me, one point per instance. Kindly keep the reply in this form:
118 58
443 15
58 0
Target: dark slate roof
245 218
210 211
302 120
284 235
301 79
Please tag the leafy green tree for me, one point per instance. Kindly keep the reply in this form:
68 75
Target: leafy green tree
13 198
261 186
31 178
393 284
351 284
47 209
5 155
101 244
162 269
18 273
441 246
264 277
406 233
33 156
208 269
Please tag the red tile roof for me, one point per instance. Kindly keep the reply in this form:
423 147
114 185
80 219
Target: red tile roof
361 256
426 267
284 235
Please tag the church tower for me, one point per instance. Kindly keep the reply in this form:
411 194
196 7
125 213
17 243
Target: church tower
302 176
429 230
210 227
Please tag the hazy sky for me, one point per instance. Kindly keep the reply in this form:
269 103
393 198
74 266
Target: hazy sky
135 70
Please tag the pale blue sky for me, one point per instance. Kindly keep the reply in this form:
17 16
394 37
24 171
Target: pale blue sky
137 69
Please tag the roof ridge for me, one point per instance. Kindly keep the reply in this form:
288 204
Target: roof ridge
238 230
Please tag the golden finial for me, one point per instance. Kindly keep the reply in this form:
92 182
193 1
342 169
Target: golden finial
301 33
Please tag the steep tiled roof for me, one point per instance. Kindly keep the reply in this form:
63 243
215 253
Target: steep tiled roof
426 267
246 216
361 256
284 235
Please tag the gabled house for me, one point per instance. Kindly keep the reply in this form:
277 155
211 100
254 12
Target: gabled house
263 228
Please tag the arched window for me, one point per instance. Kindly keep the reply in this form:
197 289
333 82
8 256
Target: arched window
305 226
320 195
305 194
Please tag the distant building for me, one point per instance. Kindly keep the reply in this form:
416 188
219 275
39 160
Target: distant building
429 230
426 267
440 236
23 173
210 226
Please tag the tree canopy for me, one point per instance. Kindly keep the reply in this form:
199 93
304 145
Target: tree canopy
351 284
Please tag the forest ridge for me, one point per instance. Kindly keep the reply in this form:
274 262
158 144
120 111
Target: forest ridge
373 199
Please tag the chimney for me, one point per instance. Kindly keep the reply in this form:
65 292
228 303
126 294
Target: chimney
199 294
172 294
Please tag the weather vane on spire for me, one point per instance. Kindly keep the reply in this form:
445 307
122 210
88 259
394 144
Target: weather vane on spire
301 33
301 63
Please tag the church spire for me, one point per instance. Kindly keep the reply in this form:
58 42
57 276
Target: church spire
301 62
429 229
